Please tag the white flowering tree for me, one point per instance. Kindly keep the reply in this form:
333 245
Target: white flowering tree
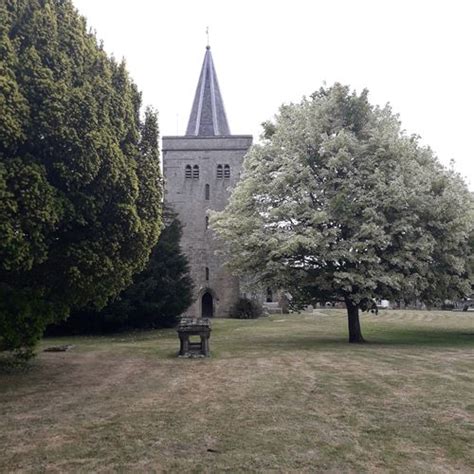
339 204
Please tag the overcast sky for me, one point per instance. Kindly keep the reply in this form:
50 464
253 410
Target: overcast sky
416 54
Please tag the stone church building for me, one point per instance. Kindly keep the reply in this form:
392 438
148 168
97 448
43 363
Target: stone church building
200 170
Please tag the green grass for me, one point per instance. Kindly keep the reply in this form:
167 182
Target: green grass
285 393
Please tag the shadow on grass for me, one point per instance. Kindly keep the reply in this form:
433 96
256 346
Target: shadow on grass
374 338
164 344
422 337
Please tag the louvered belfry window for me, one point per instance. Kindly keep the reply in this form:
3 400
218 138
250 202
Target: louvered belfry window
195 172
188 172
219 172
226 171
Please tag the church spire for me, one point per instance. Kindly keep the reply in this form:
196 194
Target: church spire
208 116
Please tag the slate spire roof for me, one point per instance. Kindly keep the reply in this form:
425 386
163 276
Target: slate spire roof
208 116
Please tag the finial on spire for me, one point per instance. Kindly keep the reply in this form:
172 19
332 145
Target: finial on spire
208 46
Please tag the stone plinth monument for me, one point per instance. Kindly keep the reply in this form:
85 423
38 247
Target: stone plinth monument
200 170
194 327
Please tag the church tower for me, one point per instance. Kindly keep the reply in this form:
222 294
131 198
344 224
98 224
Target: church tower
200 170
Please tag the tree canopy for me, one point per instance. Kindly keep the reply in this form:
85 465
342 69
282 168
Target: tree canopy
339 204
80 186
157 296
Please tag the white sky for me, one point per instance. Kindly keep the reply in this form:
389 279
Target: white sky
416 54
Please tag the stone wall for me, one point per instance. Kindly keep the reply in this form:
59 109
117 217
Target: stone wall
187 196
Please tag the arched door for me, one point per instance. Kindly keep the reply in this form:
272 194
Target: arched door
269 295
207 305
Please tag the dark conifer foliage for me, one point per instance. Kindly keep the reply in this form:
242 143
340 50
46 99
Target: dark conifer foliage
156 298
80 186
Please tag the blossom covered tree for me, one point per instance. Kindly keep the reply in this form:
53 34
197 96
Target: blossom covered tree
339 204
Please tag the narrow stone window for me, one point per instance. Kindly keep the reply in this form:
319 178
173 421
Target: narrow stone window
207 274
226 171
219 172
195 172
187 172
207 192
207 222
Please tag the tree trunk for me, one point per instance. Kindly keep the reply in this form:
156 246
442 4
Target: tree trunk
355 334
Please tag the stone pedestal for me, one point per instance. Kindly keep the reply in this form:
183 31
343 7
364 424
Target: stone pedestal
194 327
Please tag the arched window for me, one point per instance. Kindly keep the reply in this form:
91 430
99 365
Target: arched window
187 172
207 192
195 172
207 274
219 172
226 171
207 222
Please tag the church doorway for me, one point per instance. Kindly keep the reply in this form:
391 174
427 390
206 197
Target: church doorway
269 295
207 305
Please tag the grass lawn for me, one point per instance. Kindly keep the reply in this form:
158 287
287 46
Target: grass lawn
284 393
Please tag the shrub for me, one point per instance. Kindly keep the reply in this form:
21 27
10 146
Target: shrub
246 309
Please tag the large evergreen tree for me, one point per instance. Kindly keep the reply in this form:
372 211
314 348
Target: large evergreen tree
163 291
339 204
80 187
156 298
